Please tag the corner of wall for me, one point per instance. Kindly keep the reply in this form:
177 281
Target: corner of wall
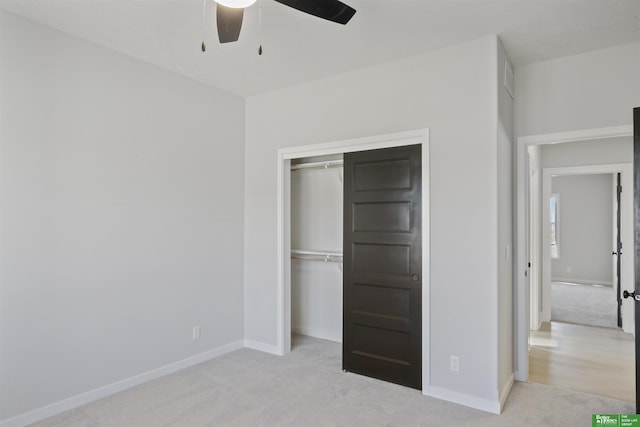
505 232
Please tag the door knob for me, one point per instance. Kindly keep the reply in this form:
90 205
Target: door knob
633 295
415 277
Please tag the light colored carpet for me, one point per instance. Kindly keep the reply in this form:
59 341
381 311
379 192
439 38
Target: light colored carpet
584 304
307 388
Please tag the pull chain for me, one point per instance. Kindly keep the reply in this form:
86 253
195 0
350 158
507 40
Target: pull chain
260 27
204 23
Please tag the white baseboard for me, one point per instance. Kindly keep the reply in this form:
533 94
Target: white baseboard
581 281
520 377
504 393
311 332
260 346
487 405
534 327
98 393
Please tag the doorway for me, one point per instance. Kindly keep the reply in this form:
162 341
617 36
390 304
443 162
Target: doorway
285 158
579 332
579 230
526 289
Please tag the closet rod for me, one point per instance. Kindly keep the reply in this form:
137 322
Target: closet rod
316 256
318 165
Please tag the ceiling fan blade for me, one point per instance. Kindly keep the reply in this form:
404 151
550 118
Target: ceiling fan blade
331 10
229 22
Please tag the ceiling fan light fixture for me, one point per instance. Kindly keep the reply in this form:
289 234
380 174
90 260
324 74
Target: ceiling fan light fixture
229 14
236 4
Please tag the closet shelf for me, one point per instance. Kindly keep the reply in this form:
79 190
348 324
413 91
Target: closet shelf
316 256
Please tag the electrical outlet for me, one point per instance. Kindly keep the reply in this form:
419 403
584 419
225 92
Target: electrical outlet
454 363
196 333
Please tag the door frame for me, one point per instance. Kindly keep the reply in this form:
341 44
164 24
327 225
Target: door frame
626 172
285 155
521 273
533 234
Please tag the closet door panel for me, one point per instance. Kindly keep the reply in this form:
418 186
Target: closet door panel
382 216
382 314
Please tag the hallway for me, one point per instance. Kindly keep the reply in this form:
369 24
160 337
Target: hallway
592 360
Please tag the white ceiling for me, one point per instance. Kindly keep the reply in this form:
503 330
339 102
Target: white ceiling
299 47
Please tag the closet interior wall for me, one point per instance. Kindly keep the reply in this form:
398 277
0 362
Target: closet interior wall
316 247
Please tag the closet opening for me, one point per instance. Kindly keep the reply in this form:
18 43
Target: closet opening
316 247
304 248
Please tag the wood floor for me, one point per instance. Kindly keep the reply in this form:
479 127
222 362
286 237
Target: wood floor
592 360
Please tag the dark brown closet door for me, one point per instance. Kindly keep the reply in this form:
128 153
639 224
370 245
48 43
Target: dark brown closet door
635 295
382 335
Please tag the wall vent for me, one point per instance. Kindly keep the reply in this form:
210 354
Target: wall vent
508 78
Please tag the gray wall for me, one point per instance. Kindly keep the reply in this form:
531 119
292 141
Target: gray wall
121 205
587 153
585 225
454 93
587 91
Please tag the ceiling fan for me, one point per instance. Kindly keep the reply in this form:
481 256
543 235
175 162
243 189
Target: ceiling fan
229 14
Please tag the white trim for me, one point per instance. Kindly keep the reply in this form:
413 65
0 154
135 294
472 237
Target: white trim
545 315
413 137
487 405
101 392
581 281
283 237
357 144
261 346
579 135
506 390
587 170
521 294
556 197
534 234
